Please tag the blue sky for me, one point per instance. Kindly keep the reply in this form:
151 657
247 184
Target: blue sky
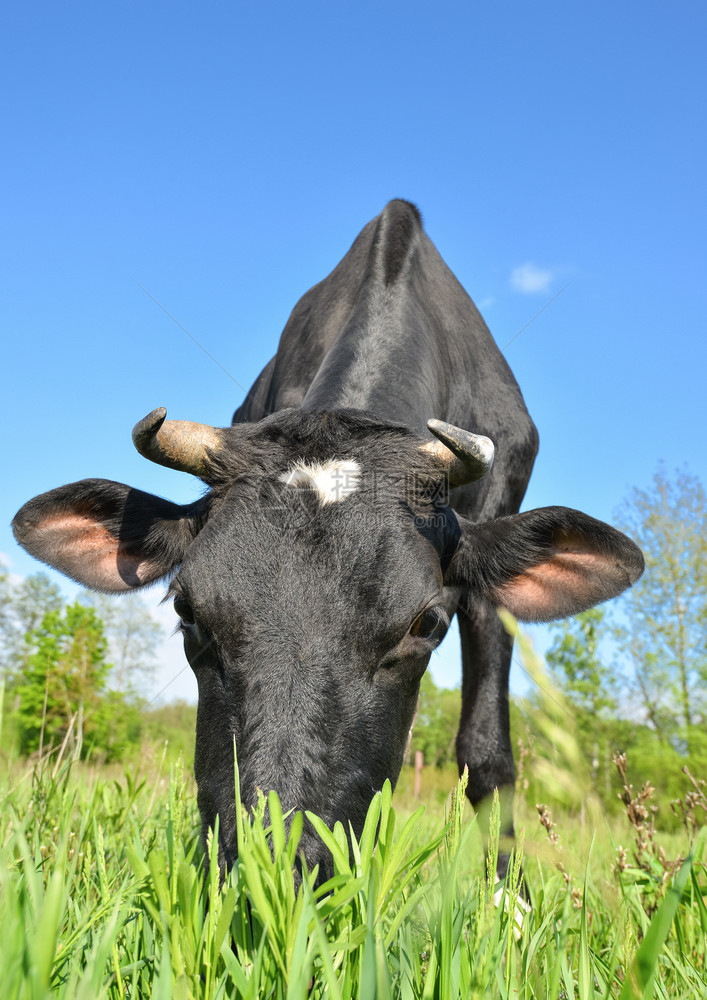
223 157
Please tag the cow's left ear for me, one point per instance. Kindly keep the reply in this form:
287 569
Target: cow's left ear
544 564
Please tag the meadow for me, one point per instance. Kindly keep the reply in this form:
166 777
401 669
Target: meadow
105 890
103 894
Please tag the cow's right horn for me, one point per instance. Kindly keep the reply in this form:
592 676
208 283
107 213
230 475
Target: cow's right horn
466 457
178 444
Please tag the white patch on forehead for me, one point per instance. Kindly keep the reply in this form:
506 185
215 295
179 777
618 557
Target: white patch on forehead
332 481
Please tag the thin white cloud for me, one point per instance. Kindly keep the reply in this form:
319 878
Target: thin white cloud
529 279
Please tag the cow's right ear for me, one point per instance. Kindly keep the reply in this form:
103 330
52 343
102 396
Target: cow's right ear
105 535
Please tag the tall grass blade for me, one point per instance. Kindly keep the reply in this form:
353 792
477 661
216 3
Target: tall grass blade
639 980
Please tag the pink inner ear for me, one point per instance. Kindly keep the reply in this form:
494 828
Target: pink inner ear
565 584
85 550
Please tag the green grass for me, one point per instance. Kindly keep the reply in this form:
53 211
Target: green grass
102 894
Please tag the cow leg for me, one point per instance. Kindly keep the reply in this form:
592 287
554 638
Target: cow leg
484 738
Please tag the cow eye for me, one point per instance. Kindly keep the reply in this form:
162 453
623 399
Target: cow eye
183 609
431 624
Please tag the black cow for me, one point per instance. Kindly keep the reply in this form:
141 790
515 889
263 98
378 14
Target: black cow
322 566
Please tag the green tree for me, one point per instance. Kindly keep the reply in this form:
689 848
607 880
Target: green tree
172 725
32 598
588 686
436 723
576 666
116 726
133 635
63 679
662 623
6 620
22 608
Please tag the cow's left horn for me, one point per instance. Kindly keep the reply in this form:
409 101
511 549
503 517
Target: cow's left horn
178 444
465 456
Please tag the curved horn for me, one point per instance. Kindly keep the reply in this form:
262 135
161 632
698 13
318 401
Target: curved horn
178 444
465 456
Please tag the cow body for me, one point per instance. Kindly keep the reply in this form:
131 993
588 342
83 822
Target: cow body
392 332
322 567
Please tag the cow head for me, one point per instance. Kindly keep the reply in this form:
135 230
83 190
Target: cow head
312 582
